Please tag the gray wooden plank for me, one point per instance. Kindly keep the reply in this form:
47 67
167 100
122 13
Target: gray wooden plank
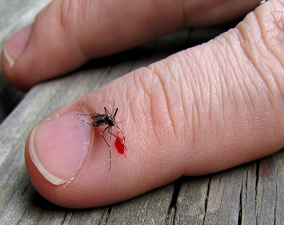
269 199
190 207
151 208
249 194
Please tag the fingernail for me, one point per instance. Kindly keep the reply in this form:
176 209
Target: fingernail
15 45
59 147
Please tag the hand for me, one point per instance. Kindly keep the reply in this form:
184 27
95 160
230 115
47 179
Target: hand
199 111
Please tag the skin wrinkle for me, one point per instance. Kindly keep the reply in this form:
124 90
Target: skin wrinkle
189 141
67 22
214 91
195 124
64 9
268 40
204 85
138 84
278 87
222 93
149 112
219 94
226 78
81 14
173 71
226 74
265 41
267 78
194 109
200 95
155 136
182 80
240 60
69 8
207 72
249 71
240 77
205 102
166 97
247 52
83 9
266 74
192 117
222 78
129 95
196 85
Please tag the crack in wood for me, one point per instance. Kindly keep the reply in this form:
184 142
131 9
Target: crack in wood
256 187
240 216
276 201
108 211
206 200
171 214
64 218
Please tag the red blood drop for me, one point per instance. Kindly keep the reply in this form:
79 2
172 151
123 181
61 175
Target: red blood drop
119 143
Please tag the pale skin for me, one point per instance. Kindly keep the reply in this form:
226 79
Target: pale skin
205 109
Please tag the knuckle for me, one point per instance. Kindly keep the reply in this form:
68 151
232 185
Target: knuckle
74 16
68 13
152 99
262 40
271 25
166 105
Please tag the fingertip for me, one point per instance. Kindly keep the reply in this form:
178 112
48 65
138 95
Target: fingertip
41 51
64 157
11 53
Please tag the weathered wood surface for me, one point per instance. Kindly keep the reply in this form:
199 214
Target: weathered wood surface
249 194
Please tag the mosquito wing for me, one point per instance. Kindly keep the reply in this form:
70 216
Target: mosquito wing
99 120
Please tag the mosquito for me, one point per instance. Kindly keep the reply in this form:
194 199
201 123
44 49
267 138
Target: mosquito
106 119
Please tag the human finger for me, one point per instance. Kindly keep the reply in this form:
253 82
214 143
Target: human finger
67 34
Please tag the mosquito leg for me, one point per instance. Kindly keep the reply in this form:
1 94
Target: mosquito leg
110 132
107 112
119 130
87 114
102 134
76 117
122 135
